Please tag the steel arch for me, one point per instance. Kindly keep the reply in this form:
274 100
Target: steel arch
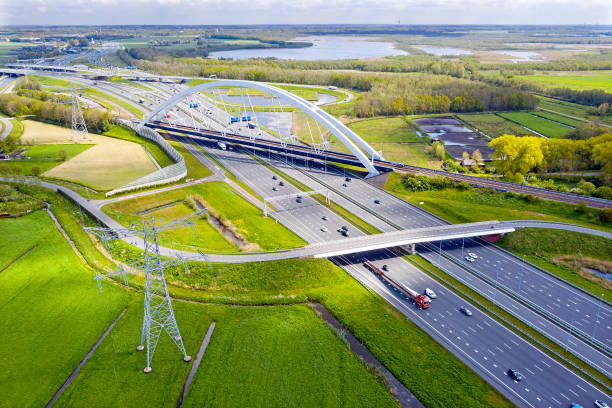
345 135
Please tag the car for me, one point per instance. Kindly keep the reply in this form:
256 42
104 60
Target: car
376 201
385 268
514 374
344 228
473 255
575 405
601 404
344 185
430 293
298 200
274 188
274 177
324 218
347 179
469 259
324 229
465 311
282 183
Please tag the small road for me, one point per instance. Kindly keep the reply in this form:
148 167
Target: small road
8 127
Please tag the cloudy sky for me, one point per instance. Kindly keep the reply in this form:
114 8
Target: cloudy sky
109 12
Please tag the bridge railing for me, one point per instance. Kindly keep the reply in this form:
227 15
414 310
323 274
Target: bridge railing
168 174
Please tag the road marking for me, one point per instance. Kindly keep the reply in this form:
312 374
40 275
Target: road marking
572 391
564 396
544 362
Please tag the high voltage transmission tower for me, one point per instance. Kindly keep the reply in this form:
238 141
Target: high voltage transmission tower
79 128
158 312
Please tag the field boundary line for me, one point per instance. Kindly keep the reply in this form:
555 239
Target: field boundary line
82 363
17 259
196 364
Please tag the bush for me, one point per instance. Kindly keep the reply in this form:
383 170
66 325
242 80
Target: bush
606 215
63 155
464 185
581 207
36 170
603 192
530 198
586 187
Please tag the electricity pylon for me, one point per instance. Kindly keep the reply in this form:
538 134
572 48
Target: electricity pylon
79 128
158 312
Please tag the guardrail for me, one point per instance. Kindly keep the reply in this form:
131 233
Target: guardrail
168 174
578 333
516 328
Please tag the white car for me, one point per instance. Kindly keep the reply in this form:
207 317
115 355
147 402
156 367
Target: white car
473 255
430 293
601 404
469 259
324 229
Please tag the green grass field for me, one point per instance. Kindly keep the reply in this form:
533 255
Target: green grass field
540 125
244 216
397 141
51 312
195 169
44 156
399 344
571 109
15 203
580 80
558 118
493 125
17 130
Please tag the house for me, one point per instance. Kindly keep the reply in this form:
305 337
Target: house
468 163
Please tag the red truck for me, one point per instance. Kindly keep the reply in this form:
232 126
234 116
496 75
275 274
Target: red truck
421 301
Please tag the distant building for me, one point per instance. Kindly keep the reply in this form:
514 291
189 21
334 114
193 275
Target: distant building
468 163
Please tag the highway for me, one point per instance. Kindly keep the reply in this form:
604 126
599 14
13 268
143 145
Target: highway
478 340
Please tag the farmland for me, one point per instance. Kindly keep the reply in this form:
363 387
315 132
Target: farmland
493 125
571 109
580 80
545 127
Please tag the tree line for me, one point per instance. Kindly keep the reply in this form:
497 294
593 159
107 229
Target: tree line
51 111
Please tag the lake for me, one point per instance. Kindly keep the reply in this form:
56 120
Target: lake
444 51
324 48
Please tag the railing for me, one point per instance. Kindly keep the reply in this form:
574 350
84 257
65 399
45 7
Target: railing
168 174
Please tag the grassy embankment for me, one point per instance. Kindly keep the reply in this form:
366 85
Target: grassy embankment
399 344
397 141
45 157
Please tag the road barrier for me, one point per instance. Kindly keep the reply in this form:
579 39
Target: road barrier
168 174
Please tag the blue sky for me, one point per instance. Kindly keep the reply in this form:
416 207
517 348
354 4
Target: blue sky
108 12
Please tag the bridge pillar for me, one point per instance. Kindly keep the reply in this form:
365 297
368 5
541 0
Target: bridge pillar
410 248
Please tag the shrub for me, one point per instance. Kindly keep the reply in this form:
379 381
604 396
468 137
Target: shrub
464 185
530 198
603 192
606 215
36 170
63 155
586 187
581 207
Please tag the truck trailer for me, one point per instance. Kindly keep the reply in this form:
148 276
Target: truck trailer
418 299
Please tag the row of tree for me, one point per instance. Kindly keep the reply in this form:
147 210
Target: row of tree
15 105
521 155
418 94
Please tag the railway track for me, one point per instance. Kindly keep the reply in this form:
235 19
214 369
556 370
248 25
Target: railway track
383 165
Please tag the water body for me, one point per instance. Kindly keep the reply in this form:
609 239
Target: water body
444 51
522 56
597 272
324 48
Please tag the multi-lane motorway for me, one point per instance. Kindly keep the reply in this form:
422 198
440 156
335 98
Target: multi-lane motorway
481 342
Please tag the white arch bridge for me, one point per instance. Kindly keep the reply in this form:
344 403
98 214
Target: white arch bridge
217 117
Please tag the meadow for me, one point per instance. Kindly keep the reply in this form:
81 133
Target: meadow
540 125
397 140
572 109
45 157
397 342
580 80
246 218
494 125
